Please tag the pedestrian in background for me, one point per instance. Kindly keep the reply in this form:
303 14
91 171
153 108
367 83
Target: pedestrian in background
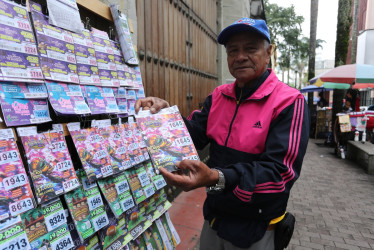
258 130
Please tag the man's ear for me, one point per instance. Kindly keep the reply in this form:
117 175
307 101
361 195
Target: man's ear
268 53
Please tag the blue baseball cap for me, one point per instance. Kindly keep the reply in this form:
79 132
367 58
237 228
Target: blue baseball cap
244 24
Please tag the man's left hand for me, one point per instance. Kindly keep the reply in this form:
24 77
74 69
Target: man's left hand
198 175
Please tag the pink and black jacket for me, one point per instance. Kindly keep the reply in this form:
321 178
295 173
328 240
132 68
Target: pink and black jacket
259 144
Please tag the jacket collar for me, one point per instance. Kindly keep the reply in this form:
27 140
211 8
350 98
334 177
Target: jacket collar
265 88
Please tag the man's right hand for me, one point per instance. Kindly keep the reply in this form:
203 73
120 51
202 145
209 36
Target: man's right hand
154 104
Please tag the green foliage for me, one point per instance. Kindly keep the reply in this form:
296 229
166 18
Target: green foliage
282 21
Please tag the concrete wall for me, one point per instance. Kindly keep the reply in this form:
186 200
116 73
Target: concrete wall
128 7
228 12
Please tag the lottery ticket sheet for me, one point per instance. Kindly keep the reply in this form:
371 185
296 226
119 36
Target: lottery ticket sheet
16 196
167 137
49 162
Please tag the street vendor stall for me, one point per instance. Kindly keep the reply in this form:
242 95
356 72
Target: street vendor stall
353 126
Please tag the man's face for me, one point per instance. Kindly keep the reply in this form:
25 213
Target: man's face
247 57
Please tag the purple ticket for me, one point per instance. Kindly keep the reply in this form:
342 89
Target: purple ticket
35 7
88 37
121 75
59 70
81 39
100 101
17 40
19 65
21 90
131 106
14 15
122 105
24 112
108 78
118 59
67 98
100 33
139 81
140 93
102 45
56 49
105 61
129 80
42 26
85 55
88 75
116 48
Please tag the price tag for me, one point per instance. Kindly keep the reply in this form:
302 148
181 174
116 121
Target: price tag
100 221
95 202
15 181
23 25
70 185
139 158
136 231
121 150
107 170
40 113
36 74
133 146
87 185
20 206
8 156
100 154
95 138
159 182
149 191
128 133
6 134
142 144
143 178
18 243
64 165
64 242
55 220
175 125
191 157
183 141
128 164
36 88
58 146
146 155
122 187
127 203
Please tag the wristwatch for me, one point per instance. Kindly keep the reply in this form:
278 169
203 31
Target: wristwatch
220 186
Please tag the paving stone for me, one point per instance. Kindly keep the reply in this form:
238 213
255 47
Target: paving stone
332 202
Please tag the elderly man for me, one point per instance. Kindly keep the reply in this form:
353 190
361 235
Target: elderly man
258 129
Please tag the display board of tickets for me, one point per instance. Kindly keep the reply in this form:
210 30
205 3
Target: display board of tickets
73 185
167 137
107 213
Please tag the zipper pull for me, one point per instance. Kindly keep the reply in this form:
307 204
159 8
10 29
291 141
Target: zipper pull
240 97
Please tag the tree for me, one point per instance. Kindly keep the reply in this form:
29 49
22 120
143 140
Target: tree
341 49
285 30
312 47
302 54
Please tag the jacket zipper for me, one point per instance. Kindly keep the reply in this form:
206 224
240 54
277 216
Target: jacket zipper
232 121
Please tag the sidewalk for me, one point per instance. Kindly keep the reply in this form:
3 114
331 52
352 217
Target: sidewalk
333 202
186 214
